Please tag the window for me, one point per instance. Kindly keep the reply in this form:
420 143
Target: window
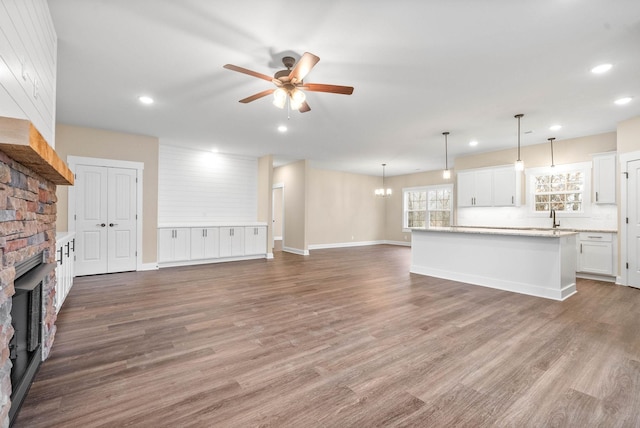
564 189
427 206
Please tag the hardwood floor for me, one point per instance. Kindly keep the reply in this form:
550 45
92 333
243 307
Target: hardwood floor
342 338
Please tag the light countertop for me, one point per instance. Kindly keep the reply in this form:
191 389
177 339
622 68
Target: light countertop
544 233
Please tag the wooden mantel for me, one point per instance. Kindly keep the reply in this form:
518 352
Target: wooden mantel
20 140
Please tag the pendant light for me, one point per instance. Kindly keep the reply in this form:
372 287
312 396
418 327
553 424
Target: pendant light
446 174
551 142
519 164
383 192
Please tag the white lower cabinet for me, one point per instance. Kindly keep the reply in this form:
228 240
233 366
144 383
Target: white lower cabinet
596 253
205 243
255 240
174 244
232 241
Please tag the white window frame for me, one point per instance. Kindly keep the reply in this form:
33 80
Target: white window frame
583 167
426 189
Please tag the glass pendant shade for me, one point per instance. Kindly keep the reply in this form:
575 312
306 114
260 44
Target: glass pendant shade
446 174
297 98
519 165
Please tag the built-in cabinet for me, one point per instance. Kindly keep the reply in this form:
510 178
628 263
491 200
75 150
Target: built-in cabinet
255 240
232 241
28 55
191 245
604 178
174 244
596 253
65 262
489 187
204 243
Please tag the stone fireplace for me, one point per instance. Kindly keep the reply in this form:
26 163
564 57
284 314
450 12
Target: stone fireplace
29 172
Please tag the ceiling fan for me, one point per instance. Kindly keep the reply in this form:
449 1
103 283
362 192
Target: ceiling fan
289 83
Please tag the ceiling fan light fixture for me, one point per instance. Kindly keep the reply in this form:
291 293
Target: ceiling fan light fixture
297 98
279 97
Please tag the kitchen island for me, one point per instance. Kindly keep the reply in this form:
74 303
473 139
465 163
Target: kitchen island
529 261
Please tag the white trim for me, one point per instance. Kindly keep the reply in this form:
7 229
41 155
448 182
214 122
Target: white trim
269 256
296 251
604 278
277 238
148 266
282 207
426 189
73 161
344 245
624 159
211 261
400 243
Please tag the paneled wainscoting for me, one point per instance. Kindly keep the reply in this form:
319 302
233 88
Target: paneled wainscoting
341 338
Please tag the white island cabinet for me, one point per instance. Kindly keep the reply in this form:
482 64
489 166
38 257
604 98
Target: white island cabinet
535 262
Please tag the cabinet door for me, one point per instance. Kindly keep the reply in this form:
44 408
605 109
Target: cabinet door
466 186
237 241
165 245
173 245
255 240
204 243
483 188
596 257
225 241
604 179
261 240
504 187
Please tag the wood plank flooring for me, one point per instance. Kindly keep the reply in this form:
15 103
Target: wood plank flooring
341 338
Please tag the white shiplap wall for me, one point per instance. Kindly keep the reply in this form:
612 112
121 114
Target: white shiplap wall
197 186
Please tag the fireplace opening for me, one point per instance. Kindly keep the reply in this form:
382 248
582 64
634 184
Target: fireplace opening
26 318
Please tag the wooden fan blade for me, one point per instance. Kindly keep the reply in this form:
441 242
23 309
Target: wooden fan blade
257 96
334 89
304 107
249 72
303 67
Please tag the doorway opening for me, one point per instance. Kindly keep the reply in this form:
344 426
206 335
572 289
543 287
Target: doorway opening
278 217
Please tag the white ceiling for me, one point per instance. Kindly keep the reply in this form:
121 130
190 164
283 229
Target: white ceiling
418 67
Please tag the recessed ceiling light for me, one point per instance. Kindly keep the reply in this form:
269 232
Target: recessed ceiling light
282 128
145 99
473 143
602 68
555 127
623 101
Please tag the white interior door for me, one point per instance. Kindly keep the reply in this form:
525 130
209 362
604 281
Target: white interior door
633 229
106 224
121 226
91 220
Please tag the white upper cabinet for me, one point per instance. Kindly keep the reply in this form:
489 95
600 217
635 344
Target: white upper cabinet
28 52
488 187
604 178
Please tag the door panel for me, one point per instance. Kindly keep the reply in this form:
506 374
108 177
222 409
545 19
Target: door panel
91 215
122 220
633 231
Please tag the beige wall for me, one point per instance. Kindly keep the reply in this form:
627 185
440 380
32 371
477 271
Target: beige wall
393 227
564 151
629 135
343 208
96 143
294 178
265 186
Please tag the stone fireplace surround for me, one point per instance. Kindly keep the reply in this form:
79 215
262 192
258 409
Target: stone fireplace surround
30 170
27 227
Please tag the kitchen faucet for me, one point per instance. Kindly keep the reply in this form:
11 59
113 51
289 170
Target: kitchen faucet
552 214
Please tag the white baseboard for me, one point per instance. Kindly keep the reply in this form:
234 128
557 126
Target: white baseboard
212 261
296 251
400 243
277 238
344 245
269 256
148 266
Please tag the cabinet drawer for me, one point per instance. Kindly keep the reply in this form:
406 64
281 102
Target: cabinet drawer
596 236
